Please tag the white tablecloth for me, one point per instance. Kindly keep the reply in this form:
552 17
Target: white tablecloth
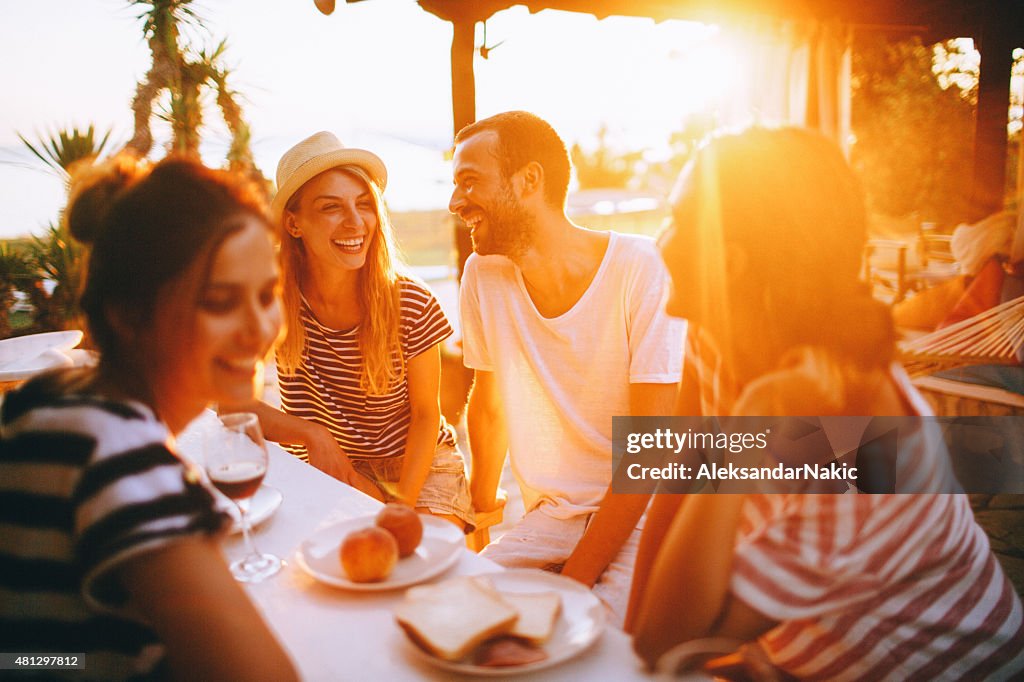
334 634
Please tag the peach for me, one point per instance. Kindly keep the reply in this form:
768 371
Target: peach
368 555
404 523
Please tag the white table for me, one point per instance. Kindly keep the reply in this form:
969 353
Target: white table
333 634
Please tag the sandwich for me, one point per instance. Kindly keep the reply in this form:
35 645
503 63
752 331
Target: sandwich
538 612
537 615
451 619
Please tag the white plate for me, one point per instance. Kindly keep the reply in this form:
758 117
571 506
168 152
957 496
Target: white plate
261 507
24 356
22 349
579 625
440 548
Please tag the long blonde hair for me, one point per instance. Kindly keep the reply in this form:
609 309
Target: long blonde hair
379 293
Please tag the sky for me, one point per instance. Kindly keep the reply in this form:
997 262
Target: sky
375 73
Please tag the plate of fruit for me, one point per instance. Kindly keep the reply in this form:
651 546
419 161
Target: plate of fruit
389 550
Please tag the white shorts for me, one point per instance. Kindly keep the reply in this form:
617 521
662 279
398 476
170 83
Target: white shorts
539 541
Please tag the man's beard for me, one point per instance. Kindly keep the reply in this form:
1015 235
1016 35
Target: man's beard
510 229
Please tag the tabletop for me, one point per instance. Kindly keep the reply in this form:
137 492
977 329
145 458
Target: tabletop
333 634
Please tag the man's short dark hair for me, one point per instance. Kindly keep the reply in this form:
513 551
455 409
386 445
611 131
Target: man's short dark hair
524 137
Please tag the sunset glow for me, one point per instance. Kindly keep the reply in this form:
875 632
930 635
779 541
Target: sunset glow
635 77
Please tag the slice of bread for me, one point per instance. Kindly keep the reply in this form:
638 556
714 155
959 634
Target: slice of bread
538 613
452 618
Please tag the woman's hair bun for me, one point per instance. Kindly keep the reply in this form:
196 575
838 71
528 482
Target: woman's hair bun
95 190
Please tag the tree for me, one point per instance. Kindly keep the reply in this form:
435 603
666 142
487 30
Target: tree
913 147
58 258
913 116
184 73
696 127
603 168
956 65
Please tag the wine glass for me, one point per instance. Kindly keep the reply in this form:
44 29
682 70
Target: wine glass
236 462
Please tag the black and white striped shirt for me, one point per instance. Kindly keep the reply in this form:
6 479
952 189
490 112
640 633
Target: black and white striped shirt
86 483
325 387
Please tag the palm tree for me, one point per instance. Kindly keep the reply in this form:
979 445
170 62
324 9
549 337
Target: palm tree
184 74
56 256
60 259
66 147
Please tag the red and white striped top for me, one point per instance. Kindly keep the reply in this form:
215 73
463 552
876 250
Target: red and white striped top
325 387
881 587
872 587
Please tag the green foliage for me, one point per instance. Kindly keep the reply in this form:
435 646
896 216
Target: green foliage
25 265
913 147
63 148
14 270
60 259
55 256
913 118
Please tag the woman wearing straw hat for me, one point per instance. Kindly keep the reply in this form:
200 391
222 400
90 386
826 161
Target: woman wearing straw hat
359 367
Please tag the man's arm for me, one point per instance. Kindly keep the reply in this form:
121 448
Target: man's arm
488 440
618 513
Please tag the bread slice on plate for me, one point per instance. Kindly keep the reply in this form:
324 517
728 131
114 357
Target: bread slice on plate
452 618
538 613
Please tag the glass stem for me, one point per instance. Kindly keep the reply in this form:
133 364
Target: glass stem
250 544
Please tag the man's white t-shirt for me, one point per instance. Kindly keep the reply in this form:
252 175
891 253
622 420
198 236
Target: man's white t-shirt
562 379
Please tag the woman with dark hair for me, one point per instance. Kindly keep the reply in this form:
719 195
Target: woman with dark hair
110 547
764 255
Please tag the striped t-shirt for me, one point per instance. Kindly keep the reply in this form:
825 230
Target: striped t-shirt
878 587
325 387
85 484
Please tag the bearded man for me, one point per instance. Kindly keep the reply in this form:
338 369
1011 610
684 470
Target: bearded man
564 328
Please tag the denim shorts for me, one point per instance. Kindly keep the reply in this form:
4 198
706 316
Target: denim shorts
445 491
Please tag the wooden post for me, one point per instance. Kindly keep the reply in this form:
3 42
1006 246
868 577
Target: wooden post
463 80
463 110
989 178
463 17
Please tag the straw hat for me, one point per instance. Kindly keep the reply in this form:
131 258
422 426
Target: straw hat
313 156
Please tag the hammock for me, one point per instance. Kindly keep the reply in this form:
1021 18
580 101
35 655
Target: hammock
990 337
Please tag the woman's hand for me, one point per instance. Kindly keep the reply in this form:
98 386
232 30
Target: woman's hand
327 456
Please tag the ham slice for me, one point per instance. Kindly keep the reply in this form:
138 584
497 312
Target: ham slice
502 652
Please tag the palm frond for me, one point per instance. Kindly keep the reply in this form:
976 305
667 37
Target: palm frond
63 148
60 258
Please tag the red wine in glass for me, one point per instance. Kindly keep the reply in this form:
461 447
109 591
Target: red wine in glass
238 480
236 462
